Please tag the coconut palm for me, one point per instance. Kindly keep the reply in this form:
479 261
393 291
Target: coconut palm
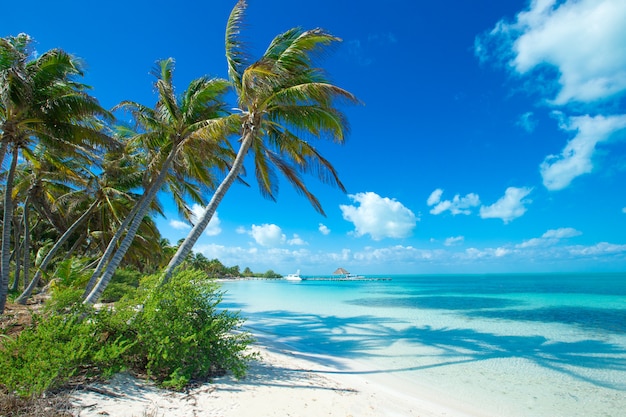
283 101
41 102
183 137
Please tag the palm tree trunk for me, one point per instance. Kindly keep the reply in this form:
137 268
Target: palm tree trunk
151 193
111 246
26 261
185 248
3 149
17 230
50 255
6 232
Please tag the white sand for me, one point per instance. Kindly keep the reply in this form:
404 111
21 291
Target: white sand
282 383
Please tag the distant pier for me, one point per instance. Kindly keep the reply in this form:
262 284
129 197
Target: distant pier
346 279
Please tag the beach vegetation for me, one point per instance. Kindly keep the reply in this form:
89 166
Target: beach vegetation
174 336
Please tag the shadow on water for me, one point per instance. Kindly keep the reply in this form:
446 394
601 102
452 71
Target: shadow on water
362 336
610 320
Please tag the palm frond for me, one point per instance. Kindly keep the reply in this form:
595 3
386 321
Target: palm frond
235 55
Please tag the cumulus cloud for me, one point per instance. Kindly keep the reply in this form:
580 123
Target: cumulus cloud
179 225
582 39
380 217
511 206
558 171
458 205
323 229
296 241
551 237
451 241
267 235
212 229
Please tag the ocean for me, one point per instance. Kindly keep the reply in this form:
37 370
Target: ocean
516 345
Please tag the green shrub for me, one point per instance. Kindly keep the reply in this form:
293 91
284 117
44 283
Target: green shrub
123 282
182 334
56 348
175 333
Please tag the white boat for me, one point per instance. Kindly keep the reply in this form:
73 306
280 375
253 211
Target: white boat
294 277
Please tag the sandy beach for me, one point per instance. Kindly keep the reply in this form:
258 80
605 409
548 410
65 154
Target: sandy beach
280 383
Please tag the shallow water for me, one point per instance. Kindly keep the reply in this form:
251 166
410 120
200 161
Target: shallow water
510 345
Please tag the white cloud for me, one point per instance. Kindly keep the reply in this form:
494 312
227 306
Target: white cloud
551 237
434 197
624 210
379 217
267 235
451 241
212 229
458 205
599 249
562 233
323 229
508 207
179 225
582 39
558 171
296 241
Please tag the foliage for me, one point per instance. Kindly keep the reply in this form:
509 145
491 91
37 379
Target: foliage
55 349
124 282
182 334
179 335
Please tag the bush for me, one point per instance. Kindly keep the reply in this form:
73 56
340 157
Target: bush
123 282
56 348
182 335
175 333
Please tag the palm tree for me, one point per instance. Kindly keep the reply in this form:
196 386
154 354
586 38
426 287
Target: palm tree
280 96
41 102
183 136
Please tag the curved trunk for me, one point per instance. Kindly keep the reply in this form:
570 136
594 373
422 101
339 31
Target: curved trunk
185 248
99 288
50 255
6 232
111 247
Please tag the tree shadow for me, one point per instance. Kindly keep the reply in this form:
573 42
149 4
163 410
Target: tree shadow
365 336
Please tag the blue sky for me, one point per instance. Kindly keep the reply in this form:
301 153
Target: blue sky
492 137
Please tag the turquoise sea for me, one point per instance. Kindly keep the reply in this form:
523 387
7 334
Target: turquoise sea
540 345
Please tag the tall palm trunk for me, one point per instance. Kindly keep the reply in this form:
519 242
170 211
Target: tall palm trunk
185 248
99 288
17 232
3 149
106 256
52 252
6 232
26 260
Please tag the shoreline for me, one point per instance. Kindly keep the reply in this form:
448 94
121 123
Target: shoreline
281 382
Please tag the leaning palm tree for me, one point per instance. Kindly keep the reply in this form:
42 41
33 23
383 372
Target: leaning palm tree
181 134
281 97
41 102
